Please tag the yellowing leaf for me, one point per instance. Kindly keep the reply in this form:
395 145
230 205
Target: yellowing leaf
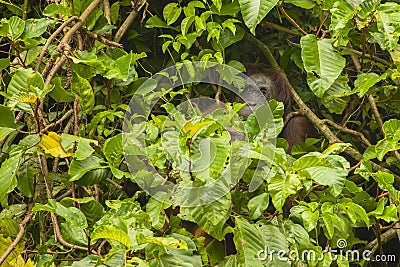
51 145
192 129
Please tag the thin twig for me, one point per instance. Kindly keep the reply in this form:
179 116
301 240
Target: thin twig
375 110
347 130
128 21
322 24
292 21
58 122
362 54
103 39
277 27
119 187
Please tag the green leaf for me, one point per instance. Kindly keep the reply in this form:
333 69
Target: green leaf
53 10
111 232
282 186
330 220
155 209
72 215
391 128
73 234
322 63
365 81
330 170
156 22
254 244
385 182
306 4
4 63
26 181
113 150
114 12
257 205
186 23
83 89
310 219
4 131
83 148
387 20
341 22
217 4
36 27
210 217
355 212
8 173
336 148
78 168
7 118
171 12
254 11
16 28
336 97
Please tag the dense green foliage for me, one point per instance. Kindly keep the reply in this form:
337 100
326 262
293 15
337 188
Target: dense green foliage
69 179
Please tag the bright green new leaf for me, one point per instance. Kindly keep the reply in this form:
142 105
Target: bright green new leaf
171 12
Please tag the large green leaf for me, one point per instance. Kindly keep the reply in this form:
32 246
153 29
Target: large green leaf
342 15
78 168
257 244
8 174
171 12
16 29
83 89
111 232
336 97
36 27
210 217
322 63
281 186
387 20
7 117
254 11
391 129
330 170
83 148
70 214
257 205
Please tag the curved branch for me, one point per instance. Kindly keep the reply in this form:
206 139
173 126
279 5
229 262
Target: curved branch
362 54
286 15
349 131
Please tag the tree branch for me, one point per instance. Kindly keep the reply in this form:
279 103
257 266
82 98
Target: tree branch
51 39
